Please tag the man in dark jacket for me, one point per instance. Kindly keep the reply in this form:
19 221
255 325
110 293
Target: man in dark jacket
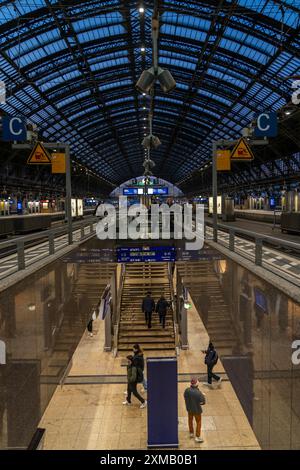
132 381
193 401
148 306
161 309
211 359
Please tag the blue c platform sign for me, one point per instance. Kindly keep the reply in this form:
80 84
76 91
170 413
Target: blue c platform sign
14 129
266 125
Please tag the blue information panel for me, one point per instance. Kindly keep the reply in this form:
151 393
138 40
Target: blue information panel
158 191
146 254
162 395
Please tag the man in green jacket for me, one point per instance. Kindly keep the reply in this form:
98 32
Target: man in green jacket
193 401
132 381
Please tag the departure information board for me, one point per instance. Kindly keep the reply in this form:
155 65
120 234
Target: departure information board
146 254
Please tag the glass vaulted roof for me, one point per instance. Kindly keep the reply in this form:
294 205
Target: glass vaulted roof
70 67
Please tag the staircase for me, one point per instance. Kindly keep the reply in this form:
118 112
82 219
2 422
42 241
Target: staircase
201 281
139 279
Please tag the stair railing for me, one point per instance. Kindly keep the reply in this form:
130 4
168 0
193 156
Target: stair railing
174 307
118 316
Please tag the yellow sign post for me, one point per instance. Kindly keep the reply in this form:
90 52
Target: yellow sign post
58 163
223 160
242 151
39 156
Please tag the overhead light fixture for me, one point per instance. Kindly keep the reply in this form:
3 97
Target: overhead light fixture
148 78
146 81
143 49
151 142
141 10
166 80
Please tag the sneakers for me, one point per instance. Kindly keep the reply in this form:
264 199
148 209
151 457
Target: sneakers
207 384
219 381
126 403
143 405
191 435
125 393
199 439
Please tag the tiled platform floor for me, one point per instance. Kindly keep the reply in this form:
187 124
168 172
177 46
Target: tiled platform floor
91 416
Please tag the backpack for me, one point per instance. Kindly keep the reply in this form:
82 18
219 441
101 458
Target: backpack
139 375
215 359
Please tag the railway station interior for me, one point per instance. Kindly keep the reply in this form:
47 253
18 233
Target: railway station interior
109 110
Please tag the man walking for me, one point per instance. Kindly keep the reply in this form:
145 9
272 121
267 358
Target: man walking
161 308
211 359
148 306
193 401
132 381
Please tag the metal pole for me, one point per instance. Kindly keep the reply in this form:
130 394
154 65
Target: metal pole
215 191
68 207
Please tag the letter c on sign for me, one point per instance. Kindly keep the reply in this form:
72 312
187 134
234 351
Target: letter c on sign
15 131
260 124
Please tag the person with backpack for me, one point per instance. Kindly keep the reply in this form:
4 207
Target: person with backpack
134 376
139 362
194 398
211 359
161 308
148 306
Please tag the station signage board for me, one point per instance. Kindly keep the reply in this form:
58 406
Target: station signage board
146 254
13 129
223 160
266 125
58 161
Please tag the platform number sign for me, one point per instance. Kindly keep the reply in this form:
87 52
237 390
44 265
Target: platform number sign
13 129
266 125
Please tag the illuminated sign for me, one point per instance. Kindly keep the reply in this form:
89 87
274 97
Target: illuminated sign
146 254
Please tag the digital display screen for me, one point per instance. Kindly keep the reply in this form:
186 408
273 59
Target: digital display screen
158 191
146 254
130 191
19 205
272 202
260 300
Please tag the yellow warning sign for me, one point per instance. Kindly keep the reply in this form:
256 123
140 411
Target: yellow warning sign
39 156
242 151
58 162
223 160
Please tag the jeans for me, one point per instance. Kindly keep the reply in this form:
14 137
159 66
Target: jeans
145 383
198 424
131 389
211 375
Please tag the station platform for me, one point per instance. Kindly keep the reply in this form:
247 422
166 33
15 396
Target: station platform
87 411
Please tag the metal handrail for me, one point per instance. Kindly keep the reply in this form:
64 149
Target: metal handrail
260 236
174 306
118 317
46 233
49 236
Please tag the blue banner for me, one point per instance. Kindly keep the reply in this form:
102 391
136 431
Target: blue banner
146 254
